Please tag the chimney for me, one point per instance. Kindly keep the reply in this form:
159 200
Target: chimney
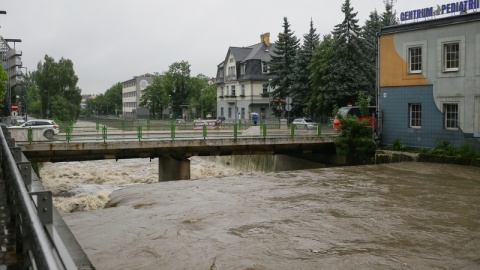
265 38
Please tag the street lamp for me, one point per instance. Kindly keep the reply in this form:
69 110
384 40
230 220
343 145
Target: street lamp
201 101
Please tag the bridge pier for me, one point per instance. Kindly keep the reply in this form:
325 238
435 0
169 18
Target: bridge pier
173 168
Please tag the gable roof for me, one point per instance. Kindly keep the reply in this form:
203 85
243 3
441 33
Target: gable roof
258 51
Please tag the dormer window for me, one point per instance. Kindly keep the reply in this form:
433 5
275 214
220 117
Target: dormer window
264 67
243 68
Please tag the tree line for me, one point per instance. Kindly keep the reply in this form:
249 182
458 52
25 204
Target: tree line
321 75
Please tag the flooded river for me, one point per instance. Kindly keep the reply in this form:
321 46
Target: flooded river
395 216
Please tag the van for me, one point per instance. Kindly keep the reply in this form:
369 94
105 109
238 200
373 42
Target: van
355 111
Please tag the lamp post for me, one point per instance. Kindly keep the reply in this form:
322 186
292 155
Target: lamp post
26 93
201 101
269 91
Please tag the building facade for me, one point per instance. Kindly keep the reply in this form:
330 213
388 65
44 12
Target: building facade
12 64
131 95
243 83
429 81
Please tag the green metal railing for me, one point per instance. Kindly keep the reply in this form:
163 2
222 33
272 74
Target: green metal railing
161 130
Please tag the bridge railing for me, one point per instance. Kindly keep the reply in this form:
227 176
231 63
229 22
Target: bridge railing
161 130
36 239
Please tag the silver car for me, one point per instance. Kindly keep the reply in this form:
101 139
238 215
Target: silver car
305 123
49 126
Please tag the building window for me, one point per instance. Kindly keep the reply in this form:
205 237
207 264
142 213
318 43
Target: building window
451 56
415 59
227 93
222 113
233 90
231 73
451 115
221 91
243 68
243 90
229 112
231 59
242 114
415 115
265 88
264 67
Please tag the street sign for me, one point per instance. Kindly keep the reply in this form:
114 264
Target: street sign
288 100
14 113
14 106
288 107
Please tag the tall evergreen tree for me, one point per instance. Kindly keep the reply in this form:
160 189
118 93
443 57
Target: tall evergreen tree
282 63
301 88
389 17
372 26
349 71
320 67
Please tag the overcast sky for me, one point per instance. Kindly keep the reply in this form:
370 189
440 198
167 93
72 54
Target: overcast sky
111 41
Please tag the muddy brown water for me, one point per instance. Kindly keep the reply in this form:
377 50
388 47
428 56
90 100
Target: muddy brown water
391 216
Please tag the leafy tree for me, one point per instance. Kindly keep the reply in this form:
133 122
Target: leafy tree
3 78
113 97
320 75
204 96
281 65
178 85
301 88
58 79
155 96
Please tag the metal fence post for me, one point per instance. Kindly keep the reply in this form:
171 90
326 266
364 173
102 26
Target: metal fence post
30 135
235 130
204 131
264 130
172 130
292 130
123 125
97 125
68 134
139 132
319 129
148 124
104 133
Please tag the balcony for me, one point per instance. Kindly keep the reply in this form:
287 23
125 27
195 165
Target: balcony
232 77
12 53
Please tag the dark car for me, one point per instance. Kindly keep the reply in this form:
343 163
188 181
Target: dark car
355 111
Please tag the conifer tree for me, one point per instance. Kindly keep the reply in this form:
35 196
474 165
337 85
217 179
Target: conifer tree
300 89
281 65
320 66
389 17
350 68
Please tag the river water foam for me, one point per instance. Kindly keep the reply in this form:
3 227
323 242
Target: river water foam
391 216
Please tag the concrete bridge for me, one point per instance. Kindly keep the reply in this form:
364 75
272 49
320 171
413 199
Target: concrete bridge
173 154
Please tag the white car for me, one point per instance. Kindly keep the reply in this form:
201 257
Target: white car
50 127
305 123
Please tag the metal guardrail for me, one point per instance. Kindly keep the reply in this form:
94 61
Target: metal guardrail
161 130
32 212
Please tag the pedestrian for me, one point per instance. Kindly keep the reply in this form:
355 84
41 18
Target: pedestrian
255 119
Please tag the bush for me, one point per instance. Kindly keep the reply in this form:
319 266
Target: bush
355 140
398 146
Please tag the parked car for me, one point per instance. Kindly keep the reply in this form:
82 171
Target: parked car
305 123
49 126
355 111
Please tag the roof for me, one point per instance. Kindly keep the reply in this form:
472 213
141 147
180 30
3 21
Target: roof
431 23
258 51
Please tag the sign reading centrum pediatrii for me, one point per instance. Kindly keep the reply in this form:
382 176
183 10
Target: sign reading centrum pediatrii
440 10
